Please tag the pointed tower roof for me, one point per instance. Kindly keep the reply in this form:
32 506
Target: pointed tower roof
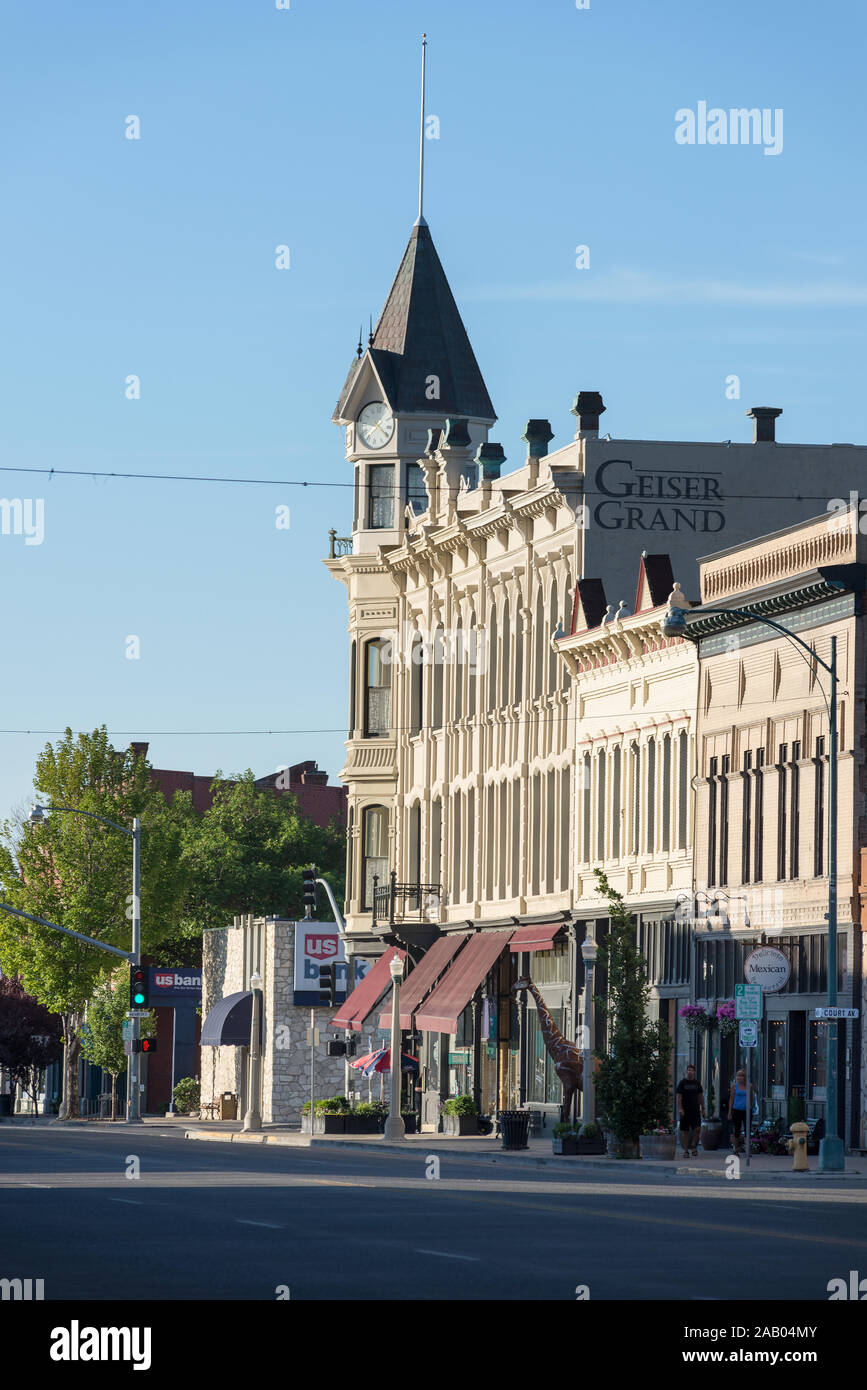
420 334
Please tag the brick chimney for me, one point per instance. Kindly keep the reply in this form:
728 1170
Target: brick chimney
587 407
764 423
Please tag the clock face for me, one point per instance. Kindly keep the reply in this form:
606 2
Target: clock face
376 425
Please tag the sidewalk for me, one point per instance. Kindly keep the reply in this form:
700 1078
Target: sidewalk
763 1168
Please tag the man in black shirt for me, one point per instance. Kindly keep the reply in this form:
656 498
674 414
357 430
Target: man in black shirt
690 1104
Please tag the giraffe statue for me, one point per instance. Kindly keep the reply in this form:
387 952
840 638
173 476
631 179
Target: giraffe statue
567 1056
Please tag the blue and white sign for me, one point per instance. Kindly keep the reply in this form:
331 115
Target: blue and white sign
320 943
169 984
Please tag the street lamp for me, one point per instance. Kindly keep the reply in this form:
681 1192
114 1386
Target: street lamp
394 1126
253 1117
37 817
674 624
589 952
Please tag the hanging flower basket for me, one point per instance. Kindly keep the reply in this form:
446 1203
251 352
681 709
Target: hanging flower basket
697 1017
725 1017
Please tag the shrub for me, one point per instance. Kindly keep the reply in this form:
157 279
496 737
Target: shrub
460 1105
367 1107
334 1105
562 1128
187 1095
590 1131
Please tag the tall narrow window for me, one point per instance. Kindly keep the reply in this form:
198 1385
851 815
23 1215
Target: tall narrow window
457 847
550 841
503 838
651 795
759 840
375 833
505 656
493 658
553 621
819 814
781 809
350 851
565 808
471 847
380 478
586 793
436 841
415 844
517 837
666 808
537 832
377 691
725 767
458 664
794 810
636 798
683 787
747 787
416 687
416 492
353 679
438 675
473 652
615 803
712 822
520 623
490 839
539 681
601 764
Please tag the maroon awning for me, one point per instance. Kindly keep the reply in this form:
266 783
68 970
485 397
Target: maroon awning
440 1013
354 1010
536 938
421 980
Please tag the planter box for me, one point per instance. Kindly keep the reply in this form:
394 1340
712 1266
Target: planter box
323 1124
628 1149
711 1133
570 1144
658 1145
460 1124
357 1124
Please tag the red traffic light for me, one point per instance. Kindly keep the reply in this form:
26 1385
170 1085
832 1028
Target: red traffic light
148 1044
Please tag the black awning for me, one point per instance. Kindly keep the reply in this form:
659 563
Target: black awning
228 1023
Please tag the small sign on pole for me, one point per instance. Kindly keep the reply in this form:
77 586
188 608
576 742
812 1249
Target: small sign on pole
749 1032
748 1001
835 1013
313 1037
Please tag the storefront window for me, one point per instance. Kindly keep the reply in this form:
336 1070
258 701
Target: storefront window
544 1085
551 967
818 1060
776 1058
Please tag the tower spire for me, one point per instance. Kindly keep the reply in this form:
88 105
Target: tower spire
420 221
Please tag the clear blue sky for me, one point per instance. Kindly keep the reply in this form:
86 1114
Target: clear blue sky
262 126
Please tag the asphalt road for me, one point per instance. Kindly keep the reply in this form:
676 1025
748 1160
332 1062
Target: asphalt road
227 1221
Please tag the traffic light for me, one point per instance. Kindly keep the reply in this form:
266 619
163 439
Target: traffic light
144 1044
328 984
138 987
309 877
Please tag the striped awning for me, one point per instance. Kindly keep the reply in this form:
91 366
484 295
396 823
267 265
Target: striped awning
441 1011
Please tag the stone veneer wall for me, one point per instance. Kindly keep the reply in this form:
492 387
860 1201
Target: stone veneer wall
285 1051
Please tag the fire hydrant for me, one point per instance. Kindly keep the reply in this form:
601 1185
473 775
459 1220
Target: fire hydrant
798 1146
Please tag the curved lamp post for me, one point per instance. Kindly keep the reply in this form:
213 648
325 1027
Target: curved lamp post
589 952
394 1126
674 624
37 817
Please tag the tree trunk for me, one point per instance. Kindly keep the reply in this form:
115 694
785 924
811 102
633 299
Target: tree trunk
114 1095
70 1105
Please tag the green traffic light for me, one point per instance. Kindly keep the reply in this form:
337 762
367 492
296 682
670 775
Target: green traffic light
138 997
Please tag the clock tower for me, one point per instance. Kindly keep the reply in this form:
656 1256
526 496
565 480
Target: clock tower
418 374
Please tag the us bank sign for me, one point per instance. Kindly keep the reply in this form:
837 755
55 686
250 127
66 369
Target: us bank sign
639 499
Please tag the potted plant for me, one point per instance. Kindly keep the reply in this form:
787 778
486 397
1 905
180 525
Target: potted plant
460 1116
659 1143
583 1139
633 1078
711 1128
329 1116
565 1140
364 1119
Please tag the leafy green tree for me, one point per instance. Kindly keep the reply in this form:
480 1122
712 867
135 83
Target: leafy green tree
246 854
632 1087
101 1033
77 872
29 1037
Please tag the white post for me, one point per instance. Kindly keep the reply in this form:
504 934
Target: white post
394 1126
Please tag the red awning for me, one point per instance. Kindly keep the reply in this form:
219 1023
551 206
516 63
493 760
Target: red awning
421 980
354 1010
442 1010
536 938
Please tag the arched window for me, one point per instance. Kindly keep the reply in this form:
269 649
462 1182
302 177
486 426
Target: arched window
539 674
601 768
438 658
490 839
666 808
416 696
375 849
567 627
520 624
635 775
651 795
615 803
537 833
377 689
683 787
517 837
415 844
458 663
471 847
457 847
550 837
436 842
586 794
493 654
506 656
350 850
565 809
553 620
503 838
475 659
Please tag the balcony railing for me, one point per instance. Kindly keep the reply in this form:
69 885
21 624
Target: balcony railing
404 902
340 545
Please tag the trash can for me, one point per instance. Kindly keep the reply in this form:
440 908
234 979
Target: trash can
5 1105
105 1105
228 1106
514 1128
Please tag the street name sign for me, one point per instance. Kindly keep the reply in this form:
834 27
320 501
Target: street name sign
835 1013
748 1001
